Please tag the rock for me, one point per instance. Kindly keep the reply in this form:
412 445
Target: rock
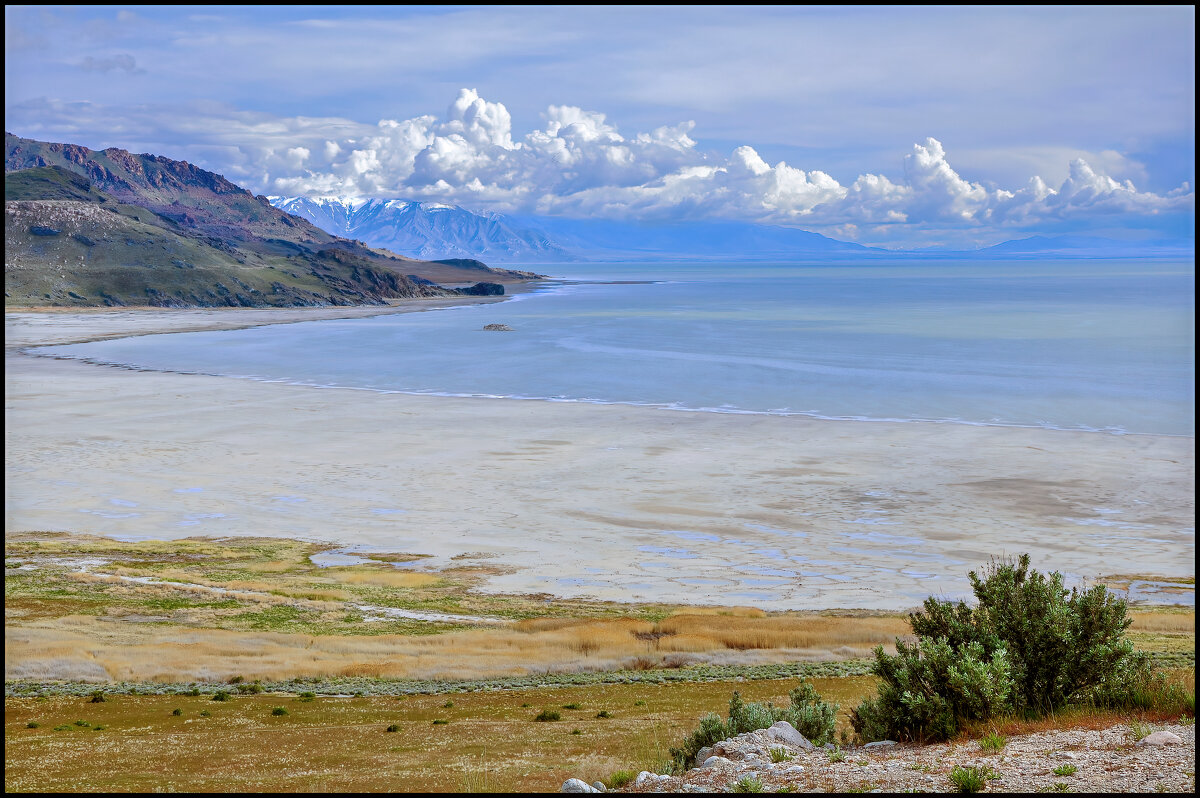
784 732
598 786
1161 738
1064 755
703 754
829 747
880 744
577 785
715 761
646 778
39 230
483 289
498 327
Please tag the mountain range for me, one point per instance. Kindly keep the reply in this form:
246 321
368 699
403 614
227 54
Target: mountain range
86 227
421 229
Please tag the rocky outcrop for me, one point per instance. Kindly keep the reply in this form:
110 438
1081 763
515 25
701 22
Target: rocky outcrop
497 328
483 289
1105 761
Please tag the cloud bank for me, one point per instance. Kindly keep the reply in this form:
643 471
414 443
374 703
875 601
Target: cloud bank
578 164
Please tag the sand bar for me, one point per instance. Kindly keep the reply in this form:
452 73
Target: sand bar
620 503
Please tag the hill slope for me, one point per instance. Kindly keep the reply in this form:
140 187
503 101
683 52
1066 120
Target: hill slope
90 228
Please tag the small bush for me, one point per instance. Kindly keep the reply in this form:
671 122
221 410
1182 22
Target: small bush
1065 770
278 711
836 756
307 695
604 713
393 728
448 705
33 724
992 743
526 705
712 730
83 723
98 697
249 689
204 713
440 722
195 691
1139 730
547 715
576 731
619 779
780 755
748 784
572 706
63 727
236 679
968 779
176 712
639 703
221 695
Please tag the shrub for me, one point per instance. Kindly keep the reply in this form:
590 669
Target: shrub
393 728
993 742
85 725
1065 770
221 695
780 755
604 713
576 731
249 689
33 724
448 705
547 715
837 756
307 695
204 713
968 779
1028 646
712 730
195 691
440 722
98 697
620 779
748 784
236 679
572 706
278 711
176 712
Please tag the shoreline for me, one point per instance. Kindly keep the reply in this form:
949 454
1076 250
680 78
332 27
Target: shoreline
628 503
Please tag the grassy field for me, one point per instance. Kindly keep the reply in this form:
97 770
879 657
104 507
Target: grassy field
489 740
151 621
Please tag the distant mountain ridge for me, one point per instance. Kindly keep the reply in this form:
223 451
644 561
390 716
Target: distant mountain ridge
431 231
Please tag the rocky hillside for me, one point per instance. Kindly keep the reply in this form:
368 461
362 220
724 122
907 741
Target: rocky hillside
86 228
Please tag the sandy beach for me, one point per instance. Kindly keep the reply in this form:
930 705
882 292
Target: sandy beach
613 502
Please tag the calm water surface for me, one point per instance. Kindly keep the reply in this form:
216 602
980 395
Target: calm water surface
1104 346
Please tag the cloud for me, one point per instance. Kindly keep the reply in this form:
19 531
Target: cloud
123 62
577 163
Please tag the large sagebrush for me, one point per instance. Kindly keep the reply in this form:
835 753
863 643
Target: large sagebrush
1027 646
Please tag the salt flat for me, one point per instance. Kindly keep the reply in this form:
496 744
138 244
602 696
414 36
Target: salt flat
615 502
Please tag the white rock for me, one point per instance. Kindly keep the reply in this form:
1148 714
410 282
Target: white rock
1161 738
577 785
715 761
599 786
784 732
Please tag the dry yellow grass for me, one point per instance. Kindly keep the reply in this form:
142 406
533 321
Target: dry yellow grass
1169 622
365 575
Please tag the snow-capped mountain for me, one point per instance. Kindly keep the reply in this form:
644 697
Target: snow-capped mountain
425 230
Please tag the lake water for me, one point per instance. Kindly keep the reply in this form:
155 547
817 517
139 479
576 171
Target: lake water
1093 345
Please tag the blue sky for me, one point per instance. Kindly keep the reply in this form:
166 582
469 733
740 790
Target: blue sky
895 126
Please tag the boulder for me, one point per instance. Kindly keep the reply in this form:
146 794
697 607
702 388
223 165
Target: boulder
784 732
39 230
1161 738
498 327
483 289
577 785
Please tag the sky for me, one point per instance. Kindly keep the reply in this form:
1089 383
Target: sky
890 126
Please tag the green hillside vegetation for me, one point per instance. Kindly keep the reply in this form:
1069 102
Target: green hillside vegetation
86 228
